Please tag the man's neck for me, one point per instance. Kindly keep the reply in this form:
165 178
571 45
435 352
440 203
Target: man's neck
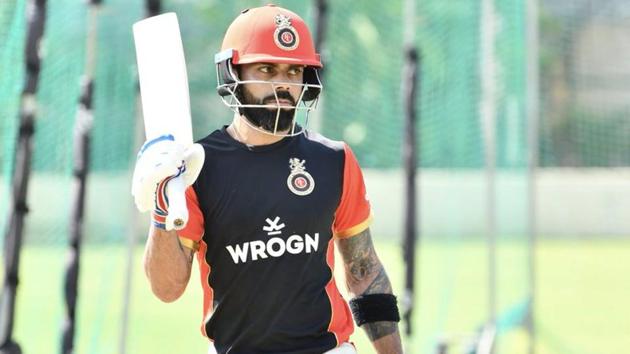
242 132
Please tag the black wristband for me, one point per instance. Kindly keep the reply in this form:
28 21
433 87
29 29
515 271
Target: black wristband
374 308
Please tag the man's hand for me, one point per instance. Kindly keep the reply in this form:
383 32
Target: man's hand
365 275
158 159
161 160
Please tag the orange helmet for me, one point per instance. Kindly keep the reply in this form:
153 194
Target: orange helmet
268 34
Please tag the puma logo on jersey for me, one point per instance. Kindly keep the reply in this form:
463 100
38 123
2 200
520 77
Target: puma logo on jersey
275 246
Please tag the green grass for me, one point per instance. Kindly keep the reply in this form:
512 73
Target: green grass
582 299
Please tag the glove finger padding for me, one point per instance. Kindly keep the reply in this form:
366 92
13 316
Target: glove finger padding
194 157
157 160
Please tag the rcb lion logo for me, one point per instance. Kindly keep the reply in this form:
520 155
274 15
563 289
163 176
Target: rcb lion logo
285 35
299 182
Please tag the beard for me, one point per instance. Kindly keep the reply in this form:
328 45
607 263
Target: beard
265 118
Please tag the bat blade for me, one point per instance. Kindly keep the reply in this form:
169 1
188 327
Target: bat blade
164 93
163 78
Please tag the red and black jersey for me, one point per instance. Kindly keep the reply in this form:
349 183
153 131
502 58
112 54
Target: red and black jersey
265 218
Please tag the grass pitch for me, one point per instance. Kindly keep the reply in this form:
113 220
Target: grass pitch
581 305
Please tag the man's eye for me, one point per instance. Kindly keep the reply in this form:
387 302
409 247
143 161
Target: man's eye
295 71
265 69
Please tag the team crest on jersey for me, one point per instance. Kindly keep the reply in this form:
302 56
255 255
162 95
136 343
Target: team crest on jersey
299 182
285 35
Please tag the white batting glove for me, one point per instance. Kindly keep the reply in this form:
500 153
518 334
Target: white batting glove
159 161
171 211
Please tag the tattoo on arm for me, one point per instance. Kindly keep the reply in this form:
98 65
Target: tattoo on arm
378 330
364 272
365 275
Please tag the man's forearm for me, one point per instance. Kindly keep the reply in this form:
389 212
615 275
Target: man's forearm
366 275
167 264
384 334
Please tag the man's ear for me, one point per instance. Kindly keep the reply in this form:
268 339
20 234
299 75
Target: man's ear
237 71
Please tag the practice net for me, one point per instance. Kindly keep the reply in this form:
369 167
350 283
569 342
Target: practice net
471 103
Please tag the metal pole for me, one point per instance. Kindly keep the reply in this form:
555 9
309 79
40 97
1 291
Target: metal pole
410 91
21 175
131 246
321 21
487 111
82 130
533 116
410 74
152 8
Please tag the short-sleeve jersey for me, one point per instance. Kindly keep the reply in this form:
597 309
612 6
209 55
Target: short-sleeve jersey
265 219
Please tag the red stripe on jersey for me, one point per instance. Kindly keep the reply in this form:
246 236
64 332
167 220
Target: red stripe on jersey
341 324
194 229
353 213
208 292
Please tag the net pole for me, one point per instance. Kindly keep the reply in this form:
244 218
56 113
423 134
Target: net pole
410 90
21 174
487 113
320 8
533 117
152 8
321 22
82 131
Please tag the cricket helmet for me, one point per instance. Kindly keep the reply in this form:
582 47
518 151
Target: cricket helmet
268 34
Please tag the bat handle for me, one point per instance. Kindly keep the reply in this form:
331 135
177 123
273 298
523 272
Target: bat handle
177 211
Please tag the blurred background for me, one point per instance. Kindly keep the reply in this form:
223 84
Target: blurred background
521 161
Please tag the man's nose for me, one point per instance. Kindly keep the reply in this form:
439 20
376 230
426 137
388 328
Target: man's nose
283 85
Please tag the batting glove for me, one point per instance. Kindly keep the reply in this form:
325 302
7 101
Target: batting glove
161 160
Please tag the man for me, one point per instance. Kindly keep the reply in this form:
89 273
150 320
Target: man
268 207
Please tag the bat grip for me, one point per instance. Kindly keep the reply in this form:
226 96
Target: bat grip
177 211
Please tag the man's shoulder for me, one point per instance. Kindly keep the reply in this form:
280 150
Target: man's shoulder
217 140
320 140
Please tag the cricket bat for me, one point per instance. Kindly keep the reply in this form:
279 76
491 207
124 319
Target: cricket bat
164 95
